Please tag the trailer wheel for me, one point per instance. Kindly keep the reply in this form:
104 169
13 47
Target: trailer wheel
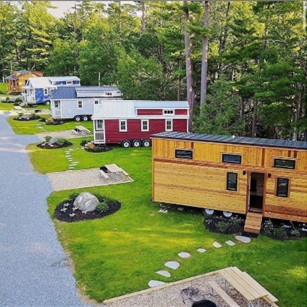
77 118
146 143
209 212
136 143
227 214
126 143
85 118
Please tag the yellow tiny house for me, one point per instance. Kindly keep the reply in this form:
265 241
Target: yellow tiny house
251 176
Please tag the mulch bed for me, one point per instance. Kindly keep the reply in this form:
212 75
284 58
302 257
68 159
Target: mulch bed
23 119
79 216
53 146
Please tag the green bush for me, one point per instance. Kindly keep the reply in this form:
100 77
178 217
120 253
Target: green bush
62 142
73 196
280 233
48 138
222 224
102 207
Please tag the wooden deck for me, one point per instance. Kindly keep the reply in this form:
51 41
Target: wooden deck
253 222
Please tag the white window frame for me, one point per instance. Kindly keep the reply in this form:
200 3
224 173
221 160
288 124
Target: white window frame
46 92
166 125
97 124
69 82
80 101
168 112
120 125
57 104
147 125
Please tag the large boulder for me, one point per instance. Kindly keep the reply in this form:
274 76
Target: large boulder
86 202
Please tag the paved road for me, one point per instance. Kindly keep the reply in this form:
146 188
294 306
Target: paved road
33 266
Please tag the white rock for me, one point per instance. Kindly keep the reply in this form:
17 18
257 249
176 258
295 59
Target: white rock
217 245
155 283
243 239
174 265
86 202
164 273
163 211
184 255
201 250
230 243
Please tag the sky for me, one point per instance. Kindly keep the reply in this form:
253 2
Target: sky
61 7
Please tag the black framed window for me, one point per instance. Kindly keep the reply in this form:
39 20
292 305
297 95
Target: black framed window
232 181
183 154
228 158
282 189
284 163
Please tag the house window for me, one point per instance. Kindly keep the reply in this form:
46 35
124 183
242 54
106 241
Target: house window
68 82
99 124
96 101
282 189
168 112
80 105
57 104
145 125
108 93
283 163
168 125
183 154
231 158
232 181
123 125
45 91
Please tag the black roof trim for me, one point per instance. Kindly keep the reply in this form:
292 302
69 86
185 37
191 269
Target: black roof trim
231 139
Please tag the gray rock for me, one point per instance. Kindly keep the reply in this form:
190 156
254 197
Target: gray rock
155 283
164 273
201 250
174 265
243 239
184 255
230 243
86 202
217 245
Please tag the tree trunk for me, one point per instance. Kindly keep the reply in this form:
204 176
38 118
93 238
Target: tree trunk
254 120
204 60
143 25
189 76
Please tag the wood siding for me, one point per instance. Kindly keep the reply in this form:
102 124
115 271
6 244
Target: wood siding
201 181
149 112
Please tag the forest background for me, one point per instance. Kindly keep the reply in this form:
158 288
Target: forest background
240 64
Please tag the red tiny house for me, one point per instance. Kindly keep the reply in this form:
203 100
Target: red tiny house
131 122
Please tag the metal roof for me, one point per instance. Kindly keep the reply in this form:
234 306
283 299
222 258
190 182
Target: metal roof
63 92
161 104
232 140
97 88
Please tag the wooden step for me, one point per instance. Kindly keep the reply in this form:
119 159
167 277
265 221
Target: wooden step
253 222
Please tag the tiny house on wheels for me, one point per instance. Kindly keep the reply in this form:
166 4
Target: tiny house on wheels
131 122
252 176
37 90
78 102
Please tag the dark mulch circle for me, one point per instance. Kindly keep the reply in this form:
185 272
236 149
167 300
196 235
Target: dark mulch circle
96 148
79 216
53 146
27 118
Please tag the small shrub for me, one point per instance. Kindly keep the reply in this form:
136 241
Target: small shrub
102 207
48 138
20 115
73 196
279 233
84 142
268 228
62 142
224 225
221 227
295 233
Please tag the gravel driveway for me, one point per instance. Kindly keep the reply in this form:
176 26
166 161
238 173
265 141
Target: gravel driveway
33 265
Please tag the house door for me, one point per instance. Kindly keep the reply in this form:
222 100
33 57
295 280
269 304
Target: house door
256 190
57 109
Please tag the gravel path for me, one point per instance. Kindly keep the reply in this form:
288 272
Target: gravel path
33 265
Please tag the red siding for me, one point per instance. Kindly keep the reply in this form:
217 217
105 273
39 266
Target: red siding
181 112
149 112
114 136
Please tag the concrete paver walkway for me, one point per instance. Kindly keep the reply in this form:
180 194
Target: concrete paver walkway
33 265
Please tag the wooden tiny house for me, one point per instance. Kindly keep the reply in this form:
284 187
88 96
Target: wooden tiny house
251 176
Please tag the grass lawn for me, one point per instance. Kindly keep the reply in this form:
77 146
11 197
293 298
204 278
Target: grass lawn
120 253
6 106
32 127
3 87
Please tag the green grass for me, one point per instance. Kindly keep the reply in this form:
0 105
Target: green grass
32 127
120 253
6 106
3 87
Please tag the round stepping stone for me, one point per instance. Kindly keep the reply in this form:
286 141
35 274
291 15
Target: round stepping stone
174 265
243 239
164 273
201 250
155 283
184 255
217 245
230 243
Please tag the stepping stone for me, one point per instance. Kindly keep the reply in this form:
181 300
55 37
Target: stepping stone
217 245
243 239
184 255
174 265
163 210
230 243
155 283
164 273
201 250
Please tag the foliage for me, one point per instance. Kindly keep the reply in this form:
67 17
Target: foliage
222 224
48 138
3 88
73 196
62 141
102 207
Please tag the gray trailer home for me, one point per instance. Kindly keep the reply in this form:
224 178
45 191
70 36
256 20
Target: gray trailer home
78 102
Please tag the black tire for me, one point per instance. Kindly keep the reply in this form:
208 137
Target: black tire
146 143
126 143
136 143
78 118
85 118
